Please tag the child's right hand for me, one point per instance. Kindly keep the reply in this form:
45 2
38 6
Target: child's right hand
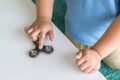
39 29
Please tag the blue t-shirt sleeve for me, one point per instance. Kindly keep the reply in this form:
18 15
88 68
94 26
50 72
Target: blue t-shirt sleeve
119 6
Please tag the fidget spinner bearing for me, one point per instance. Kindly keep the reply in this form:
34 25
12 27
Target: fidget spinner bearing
46 49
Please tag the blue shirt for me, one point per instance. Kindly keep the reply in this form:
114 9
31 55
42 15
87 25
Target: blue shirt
87 20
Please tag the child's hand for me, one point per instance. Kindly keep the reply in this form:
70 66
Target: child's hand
88 60
39 29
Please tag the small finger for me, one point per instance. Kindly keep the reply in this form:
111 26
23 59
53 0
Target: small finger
27 27
81 61
88 70
84 66
92 71
34 34
28 31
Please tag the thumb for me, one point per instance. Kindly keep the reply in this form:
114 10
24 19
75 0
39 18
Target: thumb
78 55
51 35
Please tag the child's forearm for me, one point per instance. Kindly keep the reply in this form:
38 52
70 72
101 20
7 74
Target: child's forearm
44 9
110 40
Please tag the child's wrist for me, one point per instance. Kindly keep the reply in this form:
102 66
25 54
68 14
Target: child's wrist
92 48
43 18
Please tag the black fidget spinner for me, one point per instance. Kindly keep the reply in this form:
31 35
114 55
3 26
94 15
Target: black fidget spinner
46 49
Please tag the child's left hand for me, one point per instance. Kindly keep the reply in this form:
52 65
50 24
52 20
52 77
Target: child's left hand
88 60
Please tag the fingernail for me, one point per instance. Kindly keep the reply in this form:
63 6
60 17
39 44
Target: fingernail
26 27
52 39
82 68
77 56
40 47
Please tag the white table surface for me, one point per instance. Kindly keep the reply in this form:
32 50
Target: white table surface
15 64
